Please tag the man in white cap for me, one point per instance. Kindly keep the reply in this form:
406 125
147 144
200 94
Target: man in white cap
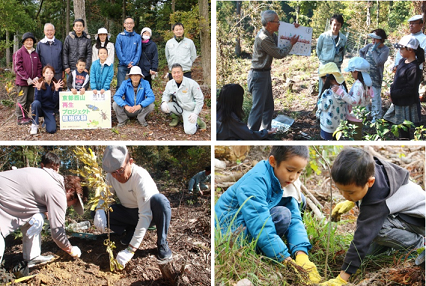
49 50
141 205
416 26
182 97
25 195
134 98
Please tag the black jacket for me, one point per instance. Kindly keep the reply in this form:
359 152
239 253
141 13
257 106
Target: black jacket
75 48
235 129
149 58
404 90
392 193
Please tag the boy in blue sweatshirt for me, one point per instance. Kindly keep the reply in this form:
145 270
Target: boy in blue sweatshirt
392 208
265 205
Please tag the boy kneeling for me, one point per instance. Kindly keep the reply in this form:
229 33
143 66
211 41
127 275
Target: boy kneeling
392 208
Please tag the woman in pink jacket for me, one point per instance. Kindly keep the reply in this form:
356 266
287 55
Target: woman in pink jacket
28 70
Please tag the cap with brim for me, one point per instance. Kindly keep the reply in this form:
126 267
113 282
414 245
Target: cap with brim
407 41
415 18
79 206
135 70
103 31
28 35
374 36
114 158
331 68
360 65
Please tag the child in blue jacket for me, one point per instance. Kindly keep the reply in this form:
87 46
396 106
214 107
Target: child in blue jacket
101 72
265 204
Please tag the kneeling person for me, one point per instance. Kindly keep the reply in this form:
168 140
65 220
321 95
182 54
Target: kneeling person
141 205
183 97
134 98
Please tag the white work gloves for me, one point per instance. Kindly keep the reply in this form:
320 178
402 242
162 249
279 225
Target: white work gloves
30 81
75 252
165 107
100 220
124 256
36 223
192 118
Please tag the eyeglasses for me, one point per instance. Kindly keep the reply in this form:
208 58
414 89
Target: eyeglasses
121 170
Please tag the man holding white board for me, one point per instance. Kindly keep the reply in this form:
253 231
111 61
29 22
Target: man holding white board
259 77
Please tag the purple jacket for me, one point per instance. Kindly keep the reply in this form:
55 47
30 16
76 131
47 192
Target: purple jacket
26 66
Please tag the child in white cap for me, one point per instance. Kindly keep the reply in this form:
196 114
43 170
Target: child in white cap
360 93
404 91
376 53
102 40
331 107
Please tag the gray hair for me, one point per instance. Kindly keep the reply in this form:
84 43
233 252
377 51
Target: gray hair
267 16
47 24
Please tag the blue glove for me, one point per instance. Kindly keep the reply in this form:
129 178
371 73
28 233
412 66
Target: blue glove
375 47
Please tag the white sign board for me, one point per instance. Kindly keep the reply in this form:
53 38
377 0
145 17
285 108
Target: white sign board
303 45
85 111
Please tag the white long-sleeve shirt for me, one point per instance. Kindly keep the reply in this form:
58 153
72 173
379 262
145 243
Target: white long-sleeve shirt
136 193
183 53
188 95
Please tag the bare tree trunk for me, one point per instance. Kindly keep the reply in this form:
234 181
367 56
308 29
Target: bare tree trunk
7 49
124 11
424 10
237 40
173 10
297 12
205 40
67 25
378 13
368 21
80 12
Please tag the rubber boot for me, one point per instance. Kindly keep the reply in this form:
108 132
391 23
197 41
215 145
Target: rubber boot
201 124
175 120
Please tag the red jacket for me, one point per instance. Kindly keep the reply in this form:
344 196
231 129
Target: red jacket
26 66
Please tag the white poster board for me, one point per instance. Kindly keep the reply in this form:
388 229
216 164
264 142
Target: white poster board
303 45
85 111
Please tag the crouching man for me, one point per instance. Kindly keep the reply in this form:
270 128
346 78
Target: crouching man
183 98
141 205
25 195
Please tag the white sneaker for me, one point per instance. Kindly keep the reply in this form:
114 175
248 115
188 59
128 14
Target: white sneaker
40 260
33 129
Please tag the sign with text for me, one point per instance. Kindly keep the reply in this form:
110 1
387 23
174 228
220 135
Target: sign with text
85 111
303 45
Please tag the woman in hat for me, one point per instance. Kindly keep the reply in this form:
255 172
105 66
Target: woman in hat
404 91
27 67
360 93
376 54
149 58
332 109
102 40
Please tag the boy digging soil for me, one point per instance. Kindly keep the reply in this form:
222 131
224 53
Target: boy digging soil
392 208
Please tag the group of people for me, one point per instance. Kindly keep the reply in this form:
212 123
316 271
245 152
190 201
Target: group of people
40 73
30 195
266 207
335 100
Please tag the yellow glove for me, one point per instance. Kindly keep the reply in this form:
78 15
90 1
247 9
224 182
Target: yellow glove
335 282
302 260
341 208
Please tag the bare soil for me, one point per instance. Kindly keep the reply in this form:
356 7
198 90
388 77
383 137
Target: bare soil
189 238
158 123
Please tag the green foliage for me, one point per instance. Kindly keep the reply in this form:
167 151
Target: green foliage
316 163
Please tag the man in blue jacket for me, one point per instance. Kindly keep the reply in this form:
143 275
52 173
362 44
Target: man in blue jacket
134 98
49 49
128 47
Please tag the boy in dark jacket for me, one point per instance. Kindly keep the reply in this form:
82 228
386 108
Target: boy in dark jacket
392 208
78 79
